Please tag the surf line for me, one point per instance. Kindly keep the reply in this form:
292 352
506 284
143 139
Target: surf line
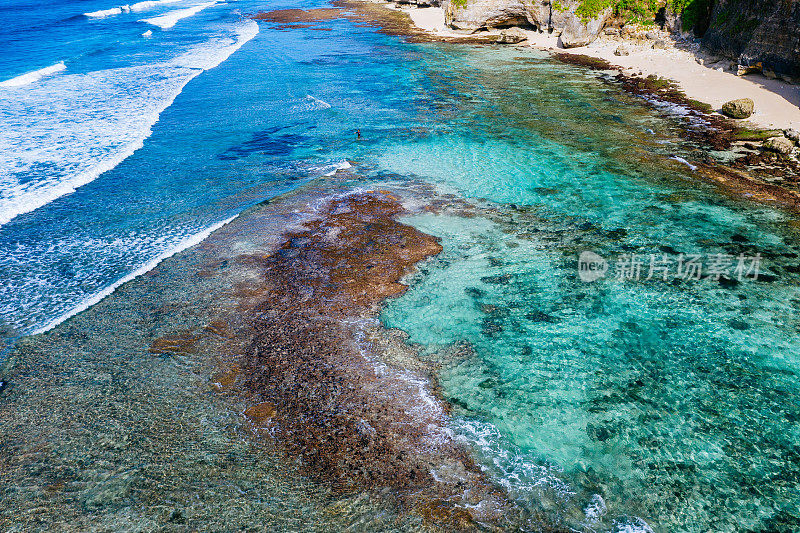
186 243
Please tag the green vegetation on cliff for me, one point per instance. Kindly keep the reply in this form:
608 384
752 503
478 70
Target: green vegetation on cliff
693 12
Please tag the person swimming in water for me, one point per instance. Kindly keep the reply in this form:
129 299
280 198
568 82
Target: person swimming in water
358 134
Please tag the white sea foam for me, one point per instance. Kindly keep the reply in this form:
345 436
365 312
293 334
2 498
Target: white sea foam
685 162
70 129
36 75
103 13
521 475
150 4
329 169
188 242
170 19
310 103
138 7
635 525
343 165
147 34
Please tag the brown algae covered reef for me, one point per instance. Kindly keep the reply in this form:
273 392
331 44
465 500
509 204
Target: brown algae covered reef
247 384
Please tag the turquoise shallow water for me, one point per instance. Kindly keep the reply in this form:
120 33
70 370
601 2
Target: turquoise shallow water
619 402
614 405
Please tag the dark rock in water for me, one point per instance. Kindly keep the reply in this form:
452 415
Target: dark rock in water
728 283
3 385
474 292
618 233
599 433
741 325
495 310
176 516
488 383
491 326
461 403
494 261
669 250
539 316
500 279
738 238
177 343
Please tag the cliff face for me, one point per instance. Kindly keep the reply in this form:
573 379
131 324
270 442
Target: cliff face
757 31
752 32
576 29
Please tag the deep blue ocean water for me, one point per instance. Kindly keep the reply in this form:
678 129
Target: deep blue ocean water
615 405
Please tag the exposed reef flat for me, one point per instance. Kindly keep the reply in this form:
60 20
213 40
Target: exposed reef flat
238 370
387 21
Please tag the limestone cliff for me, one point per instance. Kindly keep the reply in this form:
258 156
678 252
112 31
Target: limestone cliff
757 31
562 16
752 32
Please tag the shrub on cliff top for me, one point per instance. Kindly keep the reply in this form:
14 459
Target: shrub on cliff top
695 14
643 11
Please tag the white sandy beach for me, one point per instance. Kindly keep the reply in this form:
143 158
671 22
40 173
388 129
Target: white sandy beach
776 101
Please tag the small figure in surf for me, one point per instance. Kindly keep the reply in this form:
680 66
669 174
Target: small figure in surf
358 134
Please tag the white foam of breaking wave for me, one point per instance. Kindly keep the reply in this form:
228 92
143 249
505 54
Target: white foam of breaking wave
635 525
595 510
330 169
414 389
188 242
138 7
147 34
170 19
69 130
103 13
310 103
36 75
518 473
342 165
685 162
150 4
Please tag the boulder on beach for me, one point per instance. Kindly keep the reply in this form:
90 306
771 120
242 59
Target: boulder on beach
743 70
782 145
622 50
792 135
739 108
512 36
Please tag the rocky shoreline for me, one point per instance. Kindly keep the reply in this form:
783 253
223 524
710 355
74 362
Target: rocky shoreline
739 156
